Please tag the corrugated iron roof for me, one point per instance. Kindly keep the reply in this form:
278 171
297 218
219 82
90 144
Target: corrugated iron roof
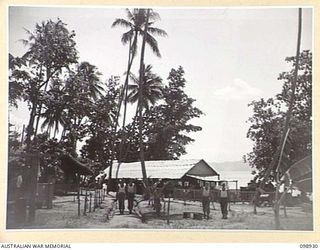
170 169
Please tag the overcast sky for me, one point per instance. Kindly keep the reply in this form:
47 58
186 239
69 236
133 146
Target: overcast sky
231 56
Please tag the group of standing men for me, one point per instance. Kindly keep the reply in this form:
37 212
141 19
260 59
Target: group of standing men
126 192
223 197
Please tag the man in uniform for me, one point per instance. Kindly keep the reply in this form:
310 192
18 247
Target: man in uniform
131 190
224 199
121 195
206 200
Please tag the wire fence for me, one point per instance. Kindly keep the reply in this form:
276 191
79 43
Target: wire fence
235 195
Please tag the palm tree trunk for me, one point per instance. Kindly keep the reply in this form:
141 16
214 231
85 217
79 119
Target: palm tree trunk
41 103
123 96
288 116
30 125
130 61
38 119
112 148
124 138
141 74
132 52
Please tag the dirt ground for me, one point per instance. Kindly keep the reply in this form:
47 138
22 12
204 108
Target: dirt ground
64 215
241 217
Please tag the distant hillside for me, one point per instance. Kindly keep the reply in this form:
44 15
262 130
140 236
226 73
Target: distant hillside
231 166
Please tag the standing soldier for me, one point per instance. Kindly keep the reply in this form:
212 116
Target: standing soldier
131 190
206 200
121 196
224 199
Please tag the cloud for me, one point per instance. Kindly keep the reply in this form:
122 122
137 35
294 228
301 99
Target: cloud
239 90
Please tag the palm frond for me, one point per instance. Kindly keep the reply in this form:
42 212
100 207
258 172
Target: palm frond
153 44
127 36
134 78
154 15
133 95
121 22
130 15
157 31
147 69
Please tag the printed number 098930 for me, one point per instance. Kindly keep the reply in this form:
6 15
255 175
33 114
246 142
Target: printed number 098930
308 245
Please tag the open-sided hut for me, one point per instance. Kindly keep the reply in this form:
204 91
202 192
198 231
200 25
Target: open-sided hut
72 169
182 172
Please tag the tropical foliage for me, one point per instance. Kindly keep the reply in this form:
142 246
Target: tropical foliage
69 103
166 124
268 116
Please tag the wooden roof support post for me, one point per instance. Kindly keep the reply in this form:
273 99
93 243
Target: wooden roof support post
78 192
32 173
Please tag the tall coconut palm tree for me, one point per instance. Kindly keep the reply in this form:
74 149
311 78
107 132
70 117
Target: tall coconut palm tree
135 22
141 74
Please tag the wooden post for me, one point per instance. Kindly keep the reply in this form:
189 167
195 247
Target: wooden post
99 195
285 211
285 203
94 200
168 212
98 198
32 173
78 193
85 203
90 201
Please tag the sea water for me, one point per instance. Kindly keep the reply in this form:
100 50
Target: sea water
243 178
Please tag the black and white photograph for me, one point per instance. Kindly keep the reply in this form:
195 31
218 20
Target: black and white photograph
160 118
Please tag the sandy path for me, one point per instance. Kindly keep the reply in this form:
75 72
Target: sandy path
125 220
